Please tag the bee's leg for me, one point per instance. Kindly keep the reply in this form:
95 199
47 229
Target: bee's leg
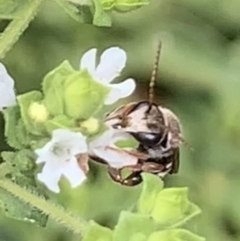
115 174
97 159
133 179
152 167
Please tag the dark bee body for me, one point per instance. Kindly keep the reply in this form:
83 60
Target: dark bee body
158 132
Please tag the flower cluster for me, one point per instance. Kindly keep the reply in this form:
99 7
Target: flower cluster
67 152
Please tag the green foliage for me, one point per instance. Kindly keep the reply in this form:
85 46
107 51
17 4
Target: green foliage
96 232
21 170
83 96
12 116
53 88
67 91
150 226
175 235
129 224
9 8
123 5
168 207
101 17
23 136
25 101
172 207
59 122
77 12
99 13
151 188
17 209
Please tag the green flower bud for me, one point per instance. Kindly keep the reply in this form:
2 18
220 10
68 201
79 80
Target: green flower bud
38 112
72 93
83 96
172 207
91 125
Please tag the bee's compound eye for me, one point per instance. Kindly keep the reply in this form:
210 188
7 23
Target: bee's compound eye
147 139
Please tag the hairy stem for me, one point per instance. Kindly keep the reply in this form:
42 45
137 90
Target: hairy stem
17 26
54 211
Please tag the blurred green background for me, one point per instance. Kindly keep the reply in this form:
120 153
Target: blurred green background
199 80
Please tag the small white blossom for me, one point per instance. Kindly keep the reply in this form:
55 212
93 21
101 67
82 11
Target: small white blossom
104 147
112 62
7 94
59 156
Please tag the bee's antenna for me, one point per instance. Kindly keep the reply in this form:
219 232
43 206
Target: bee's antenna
154 73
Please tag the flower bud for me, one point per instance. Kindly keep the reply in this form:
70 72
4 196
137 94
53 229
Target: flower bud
91 125
38 112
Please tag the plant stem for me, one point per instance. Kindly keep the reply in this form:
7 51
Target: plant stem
54 211
17 26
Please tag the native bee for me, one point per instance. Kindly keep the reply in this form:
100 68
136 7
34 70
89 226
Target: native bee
158 131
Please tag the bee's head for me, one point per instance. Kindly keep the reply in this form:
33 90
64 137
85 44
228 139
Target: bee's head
144 121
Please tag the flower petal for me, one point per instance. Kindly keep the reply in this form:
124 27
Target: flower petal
102 140
108 138
115 158
120 90
75 142
45 153
50 175
112 62
7 94
88 61
73 173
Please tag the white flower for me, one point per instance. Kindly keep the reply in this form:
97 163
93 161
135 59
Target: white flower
112 62
7 94
104 148
59 156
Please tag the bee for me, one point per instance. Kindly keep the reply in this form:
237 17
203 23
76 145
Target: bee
157 130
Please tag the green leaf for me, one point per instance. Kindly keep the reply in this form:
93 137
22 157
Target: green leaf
138 237
123 5
152 185
59 122
80 13
108 4
9 8
71 9
22 164
53 88
8 157
130 224
172 207
97 232
23 136
25 102
22 160
83 96
15 130
175 235
12 116
101 17
15 208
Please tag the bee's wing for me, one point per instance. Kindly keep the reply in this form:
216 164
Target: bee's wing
132 152
175 161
